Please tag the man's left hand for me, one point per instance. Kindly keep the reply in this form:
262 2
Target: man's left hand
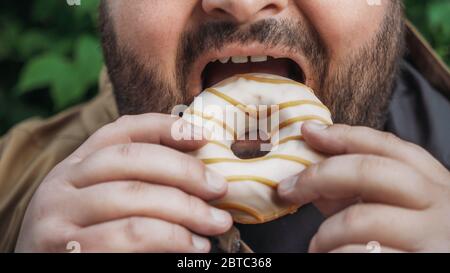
374 187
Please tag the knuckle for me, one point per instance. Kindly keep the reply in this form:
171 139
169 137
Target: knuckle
123 121
390 139
414 148
195 205
354 218
104 131
191 167
52 236
324 168
369 165
346 130
178 234
128 150
192 209
133 229
136 188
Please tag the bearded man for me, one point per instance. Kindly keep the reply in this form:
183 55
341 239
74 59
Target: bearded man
108 175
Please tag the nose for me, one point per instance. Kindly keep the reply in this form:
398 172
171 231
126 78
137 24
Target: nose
243 11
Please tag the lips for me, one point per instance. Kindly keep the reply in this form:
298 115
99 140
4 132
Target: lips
217 65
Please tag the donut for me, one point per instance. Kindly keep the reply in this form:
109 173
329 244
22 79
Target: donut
256 102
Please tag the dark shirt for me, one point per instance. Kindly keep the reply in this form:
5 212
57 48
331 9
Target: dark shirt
417 113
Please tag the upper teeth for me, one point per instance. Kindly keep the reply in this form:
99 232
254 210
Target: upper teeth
243 59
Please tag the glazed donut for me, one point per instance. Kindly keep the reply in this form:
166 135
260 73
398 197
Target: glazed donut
252 100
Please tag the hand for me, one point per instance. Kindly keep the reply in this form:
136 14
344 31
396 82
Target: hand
123 191
375 187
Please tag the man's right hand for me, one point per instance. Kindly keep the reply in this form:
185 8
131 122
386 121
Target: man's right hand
125 190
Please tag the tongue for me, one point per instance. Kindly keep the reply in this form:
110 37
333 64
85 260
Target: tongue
216 72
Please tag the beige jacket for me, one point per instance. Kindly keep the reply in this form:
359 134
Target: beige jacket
31 149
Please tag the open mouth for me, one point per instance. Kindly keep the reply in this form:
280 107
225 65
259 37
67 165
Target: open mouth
220 69
214 66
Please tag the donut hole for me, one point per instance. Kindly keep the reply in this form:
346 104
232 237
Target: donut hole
248 147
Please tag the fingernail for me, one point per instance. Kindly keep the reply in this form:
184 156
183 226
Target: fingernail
220 216
315 126
288 184
199 243
215 181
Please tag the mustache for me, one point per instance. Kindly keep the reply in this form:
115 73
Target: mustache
294 36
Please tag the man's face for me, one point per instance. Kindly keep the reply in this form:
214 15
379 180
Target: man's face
161 53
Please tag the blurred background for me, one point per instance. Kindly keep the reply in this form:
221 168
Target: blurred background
50 55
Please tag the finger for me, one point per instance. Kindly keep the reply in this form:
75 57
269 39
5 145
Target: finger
147 128
344 139
151 163
370 178
115 200
364 249
363 223
139 234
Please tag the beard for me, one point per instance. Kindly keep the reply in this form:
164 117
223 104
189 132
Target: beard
358 92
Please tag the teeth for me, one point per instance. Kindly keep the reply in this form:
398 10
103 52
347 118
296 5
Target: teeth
242 59
239 59
258 59
224 60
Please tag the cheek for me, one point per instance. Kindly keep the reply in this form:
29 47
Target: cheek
151 29
344 25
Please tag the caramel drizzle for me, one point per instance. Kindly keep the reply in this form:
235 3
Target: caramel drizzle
273 81
301 102
296 159
240 207
232 101
248 110
290 138
261 180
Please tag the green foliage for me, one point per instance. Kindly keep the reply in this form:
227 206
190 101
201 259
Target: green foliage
68 80
50 55
432 17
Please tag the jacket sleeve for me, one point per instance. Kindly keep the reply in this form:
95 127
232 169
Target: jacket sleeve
21 172
14 189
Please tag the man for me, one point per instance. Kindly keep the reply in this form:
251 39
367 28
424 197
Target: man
125 185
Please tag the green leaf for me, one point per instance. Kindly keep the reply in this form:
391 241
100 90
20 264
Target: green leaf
67 89
56 73
41 71
88 59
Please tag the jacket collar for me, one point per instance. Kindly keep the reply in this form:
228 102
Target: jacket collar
426 61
